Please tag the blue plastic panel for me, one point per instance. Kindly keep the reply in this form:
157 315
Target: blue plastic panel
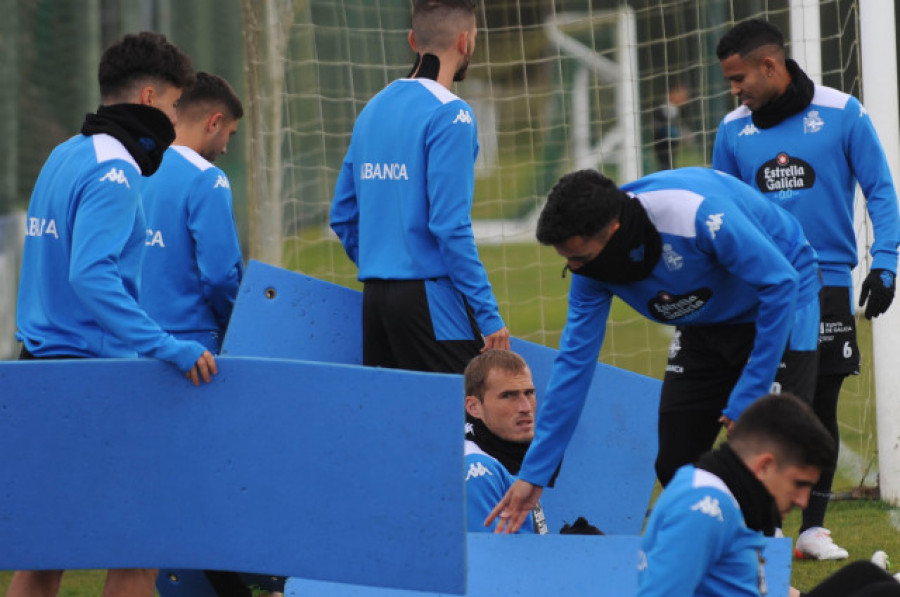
277 467
538 566
525 566
608 473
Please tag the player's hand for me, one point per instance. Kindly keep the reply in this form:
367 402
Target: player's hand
204 368
515 507
727 423
877 292
499 339
792 592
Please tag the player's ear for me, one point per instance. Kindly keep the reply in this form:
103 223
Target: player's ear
761 465
474 407
412 41
147 95
214 122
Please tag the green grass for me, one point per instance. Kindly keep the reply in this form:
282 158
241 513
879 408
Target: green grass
532 296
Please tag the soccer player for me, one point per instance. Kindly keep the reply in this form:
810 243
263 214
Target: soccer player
805 146
693 248
193 264
85 238
724 505
500 402
402 207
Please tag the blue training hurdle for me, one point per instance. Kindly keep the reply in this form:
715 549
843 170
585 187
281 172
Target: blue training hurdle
279 467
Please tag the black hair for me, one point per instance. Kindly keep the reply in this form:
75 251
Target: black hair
581 204
141 56
435 23
787 426
207 90
747 36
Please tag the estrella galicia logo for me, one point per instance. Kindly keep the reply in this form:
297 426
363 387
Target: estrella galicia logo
785 173
666 307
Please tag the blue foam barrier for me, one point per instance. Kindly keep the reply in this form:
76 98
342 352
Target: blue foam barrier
537 566
607 475
283 314
525 566
277 467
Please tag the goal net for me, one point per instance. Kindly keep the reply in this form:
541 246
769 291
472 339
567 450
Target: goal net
555 86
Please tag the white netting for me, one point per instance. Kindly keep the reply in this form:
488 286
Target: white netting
555 86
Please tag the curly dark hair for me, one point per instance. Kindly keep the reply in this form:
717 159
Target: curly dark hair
209 90
747 36
141 56
582 203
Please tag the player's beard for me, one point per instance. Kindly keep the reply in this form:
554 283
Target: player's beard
460 73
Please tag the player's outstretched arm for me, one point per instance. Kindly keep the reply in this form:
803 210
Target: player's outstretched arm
515 507
499 339
204 368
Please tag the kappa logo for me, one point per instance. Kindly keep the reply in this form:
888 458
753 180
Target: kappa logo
749 129
675 346
709 506
714 223
463 117
812 122
116 175
222 182
642 560
476 469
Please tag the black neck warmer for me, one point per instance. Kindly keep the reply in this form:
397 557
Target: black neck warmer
757 504
427 66
510 454
631 253
795 98
145 132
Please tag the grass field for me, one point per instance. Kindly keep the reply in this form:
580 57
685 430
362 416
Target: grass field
532 295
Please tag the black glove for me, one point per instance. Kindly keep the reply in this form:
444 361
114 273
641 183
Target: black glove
877 292
581 527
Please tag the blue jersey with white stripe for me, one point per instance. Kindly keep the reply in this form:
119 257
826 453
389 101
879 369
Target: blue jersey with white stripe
697 543
403 200
487 481
809 164
192 264
729 256
84 239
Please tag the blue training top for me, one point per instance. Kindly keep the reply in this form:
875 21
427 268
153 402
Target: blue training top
192 264
729 256
403 200
809 164
84 240
697 544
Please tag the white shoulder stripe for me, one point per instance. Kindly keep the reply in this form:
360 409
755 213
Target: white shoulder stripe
830 98
107 147
704 478
443 95
741 112
672 211
472 449
193 157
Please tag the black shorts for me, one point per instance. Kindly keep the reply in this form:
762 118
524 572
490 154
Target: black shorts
421 325
705 363
838 350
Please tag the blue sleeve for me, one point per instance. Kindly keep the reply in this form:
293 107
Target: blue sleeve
211 224
723 157
685 543
560 408
871 169
345 209
451 149
747 252
486 484
103 224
